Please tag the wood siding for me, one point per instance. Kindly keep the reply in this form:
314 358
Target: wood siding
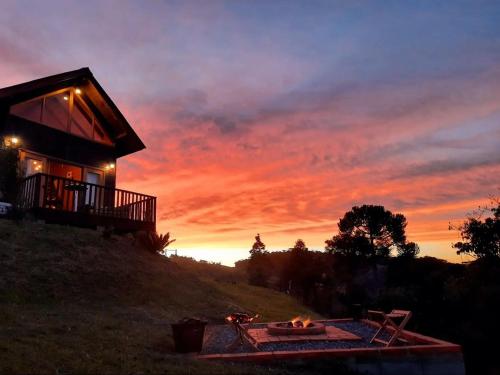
60 145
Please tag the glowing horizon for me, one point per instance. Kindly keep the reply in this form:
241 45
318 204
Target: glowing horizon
277 117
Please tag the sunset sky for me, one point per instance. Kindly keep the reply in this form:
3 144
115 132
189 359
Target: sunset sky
276 117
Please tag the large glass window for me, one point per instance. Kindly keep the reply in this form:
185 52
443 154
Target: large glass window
31 110
33 166
56 111
99 134
81 120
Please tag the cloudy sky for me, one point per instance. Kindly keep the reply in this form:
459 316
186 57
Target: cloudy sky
278 116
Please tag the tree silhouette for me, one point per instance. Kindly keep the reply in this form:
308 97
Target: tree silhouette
368 230
258 246
259 265
481 237
408 250
300 245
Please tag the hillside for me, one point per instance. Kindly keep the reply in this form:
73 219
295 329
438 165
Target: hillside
74 302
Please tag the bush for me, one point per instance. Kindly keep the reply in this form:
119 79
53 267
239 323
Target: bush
154 242
10 174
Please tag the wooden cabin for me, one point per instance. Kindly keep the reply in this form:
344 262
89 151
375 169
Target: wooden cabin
69 135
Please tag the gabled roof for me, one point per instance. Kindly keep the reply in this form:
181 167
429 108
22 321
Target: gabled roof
120 131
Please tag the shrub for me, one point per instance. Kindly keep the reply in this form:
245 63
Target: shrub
154 242
10 174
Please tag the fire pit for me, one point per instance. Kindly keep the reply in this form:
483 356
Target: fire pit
296 326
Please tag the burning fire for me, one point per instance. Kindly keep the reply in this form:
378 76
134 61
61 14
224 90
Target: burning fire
299 322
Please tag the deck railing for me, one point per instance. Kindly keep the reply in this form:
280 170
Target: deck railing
43 191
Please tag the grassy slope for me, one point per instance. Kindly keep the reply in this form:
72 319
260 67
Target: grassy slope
73 302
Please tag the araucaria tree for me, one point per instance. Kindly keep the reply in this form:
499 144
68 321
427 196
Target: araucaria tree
259 264
299 272
299 246
258 246
481 233
371 231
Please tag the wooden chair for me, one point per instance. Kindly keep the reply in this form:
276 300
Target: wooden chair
388 320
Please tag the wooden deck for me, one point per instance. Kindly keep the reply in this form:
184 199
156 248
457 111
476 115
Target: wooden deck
65 201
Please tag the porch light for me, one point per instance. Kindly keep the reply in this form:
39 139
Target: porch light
109 166
65 97
12 141
78 91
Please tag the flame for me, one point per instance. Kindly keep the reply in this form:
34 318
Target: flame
305 320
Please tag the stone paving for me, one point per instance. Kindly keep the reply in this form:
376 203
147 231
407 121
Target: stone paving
434 355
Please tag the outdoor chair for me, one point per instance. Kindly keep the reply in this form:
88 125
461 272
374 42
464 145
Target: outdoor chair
389 321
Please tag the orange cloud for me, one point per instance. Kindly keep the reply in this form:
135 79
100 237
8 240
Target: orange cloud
293 173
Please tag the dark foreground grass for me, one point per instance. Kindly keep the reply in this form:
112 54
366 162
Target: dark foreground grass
73 302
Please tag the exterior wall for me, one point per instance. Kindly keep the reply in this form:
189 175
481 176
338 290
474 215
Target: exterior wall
60 145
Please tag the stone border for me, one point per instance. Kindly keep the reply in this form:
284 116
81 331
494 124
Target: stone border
332 333
280 329
428 345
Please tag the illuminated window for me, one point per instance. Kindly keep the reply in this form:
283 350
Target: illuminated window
53 110
81 121
31 110
56 111
33 166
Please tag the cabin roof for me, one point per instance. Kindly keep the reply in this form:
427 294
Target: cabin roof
125 138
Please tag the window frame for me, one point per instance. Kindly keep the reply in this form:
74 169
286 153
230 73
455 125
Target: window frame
33 156
71 104
47 159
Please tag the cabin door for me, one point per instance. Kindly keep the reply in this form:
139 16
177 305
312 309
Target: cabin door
62 193
94 177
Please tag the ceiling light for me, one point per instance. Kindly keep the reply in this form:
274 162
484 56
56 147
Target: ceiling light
65 97
78 91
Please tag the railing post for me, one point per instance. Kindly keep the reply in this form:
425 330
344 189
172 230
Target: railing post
36 196
58 193
153 219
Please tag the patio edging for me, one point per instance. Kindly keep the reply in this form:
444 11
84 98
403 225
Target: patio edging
430 346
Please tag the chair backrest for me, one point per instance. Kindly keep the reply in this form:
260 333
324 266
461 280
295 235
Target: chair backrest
401 312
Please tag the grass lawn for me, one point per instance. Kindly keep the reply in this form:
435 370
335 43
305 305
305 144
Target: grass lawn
74 302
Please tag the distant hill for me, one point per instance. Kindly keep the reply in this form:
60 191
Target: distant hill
74 302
